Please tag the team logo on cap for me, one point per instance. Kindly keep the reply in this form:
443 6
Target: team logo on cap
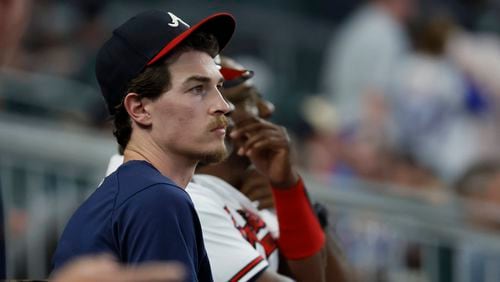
175 20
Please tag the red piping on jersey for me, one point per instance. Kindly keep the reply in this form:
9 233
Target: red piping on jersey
246 269
269 244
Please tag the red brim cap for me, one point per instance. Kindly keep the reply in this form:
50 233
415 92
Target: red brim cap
234 77
221 25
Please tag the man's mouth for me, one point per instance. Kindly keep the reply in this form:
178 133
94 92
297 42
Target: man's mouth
219 128
220 125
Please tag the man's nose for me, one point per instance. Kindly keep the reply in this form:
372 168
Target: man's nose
222 105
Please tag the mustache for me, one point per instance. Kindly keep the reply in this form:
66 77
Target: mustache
220 121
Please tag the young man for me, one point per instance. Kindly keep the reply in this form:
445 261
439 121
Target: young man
161 85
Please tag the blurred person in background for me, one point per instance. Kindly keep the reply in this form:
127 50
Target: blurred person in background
328 152
65 37
477 55
320 140
479 190
404 170
14 16
14 20
40 66
68 36
356 74
360 61
479 187
428 102
168 115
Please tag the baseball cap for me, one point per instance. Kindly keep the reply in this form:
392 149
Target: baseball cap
145 39
234 77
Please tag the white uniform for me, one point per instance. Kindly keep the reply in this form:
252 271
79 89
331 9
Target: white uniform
239 239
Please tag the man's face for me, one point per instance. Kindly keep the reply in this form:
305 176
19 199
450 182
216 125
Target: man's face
188 120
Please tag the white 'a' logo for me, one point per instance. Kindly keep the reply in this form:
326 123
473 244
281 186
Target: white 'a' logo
175 20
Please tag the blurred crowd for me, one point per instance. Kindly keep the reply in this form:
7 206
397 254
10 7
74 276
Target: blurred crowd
410 93
411 97
409 88
53 66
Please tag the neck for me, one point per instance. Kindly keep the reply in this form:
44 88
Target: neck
230 170
174 166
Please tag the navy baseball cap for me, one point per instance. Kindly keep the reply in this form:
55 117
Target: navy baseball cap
145 39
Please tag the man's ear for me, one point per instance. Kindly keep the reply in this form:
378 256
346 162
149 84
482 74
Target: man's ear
137 109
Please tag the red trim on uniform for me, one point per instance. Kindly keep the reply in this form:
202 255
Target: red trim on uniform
247 269
269 244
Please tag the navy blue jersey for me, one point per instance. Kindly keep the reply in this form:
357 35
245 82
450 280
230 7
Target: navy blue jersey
137 215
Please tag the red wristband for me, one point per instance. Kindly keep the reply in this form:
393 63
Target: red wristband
301 235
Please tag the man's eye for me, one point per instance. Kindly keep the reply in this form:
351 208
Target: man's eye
198 90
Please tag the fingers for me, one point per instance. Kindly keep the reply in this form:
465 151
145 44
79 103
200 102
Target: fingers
105 268
261 145
268 147
264 139
83 269
153 272
255 124
253 131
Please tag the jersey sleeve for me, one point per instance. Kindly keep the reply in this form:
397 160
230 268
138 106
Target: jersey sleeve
232 258
160 224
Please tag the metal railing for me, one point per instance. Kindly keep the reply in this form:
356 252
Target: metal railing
408 235
45 172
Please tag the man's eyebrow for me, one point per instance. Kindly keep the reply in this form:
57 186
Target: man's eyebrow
199 78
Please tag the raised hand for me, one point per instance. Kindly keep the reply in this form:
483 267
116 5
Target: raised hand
267 145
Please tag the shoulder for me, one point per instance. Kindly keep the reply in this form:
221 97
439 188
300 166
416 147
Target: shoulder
159 210
159 196
139 174
139 181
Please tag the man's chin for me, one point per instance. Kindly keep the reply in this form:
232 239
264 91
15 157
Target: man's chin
214 157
